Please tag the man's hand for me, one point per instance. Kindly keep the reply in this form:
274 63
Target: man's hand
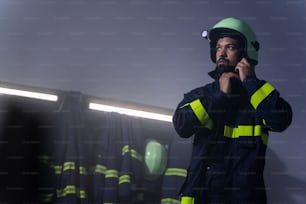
244 69
225 81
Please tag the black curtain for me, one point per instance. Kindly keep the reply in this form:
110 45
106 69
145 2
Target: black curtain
22 135
62 152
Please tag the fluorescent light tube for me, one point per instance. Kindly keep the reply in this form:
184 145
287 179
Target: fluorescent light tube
93 106
130 112
28 94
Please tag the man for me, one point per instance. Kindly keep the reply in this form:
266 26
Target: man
230 119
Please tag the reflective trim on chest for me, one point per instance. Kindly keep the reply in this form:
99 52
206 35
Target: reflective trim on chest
246 131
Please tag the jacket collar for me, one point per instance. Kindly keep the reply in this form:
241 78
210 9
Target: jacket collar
214 74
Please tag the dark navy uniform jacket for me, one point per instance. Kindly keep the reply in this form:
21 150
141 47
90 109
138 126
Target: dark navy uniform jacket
231 135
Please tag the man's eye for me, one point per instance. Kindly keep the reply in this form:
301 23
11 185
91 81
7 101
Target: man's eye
231 47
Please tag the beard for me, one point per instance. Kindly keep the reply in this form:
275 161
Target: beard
235 83
223 68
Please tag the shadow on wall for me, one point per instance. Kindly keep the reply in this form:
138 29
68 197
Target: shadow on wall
281 186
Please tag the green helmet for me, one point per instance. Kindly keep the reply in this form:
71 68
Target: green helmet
155 159
238 29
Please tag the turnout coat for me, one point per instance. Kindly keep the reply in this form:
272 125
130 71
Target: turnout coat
230 139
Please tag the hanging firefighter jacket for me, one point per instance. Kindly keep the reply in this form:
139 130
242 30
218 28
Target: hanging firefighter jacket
175 174
230 140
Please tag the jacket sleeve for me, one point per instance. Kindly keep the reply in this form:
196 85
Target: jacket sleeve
198 110
275 112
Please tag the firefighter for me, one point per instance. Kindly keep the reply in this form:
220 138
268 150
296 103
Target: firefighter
230 120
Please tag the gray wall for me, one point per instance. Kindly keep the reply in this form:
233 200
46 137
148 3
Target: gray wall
151 52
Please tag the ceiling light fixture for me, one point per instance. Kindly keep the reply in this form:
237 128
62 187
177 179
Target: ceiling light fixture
131 112
93 106
28 94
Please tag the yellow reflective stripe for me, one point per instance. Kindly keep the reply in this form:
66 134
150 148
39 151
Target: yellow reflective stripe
45 197
242 130
264 122
125 149
176 172
185 105
69 166
246 130
261 94
201 113
82 194
83 170
111 173
265 138
57 169
134 154
66 167
70 190
187 200
170 201
100 169
44 159
124 179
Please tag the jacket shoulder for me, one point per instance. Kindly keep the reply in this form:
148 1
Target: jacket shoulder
203 90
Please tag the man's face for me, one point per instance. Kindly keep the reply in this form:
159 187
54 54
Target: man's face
228 54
